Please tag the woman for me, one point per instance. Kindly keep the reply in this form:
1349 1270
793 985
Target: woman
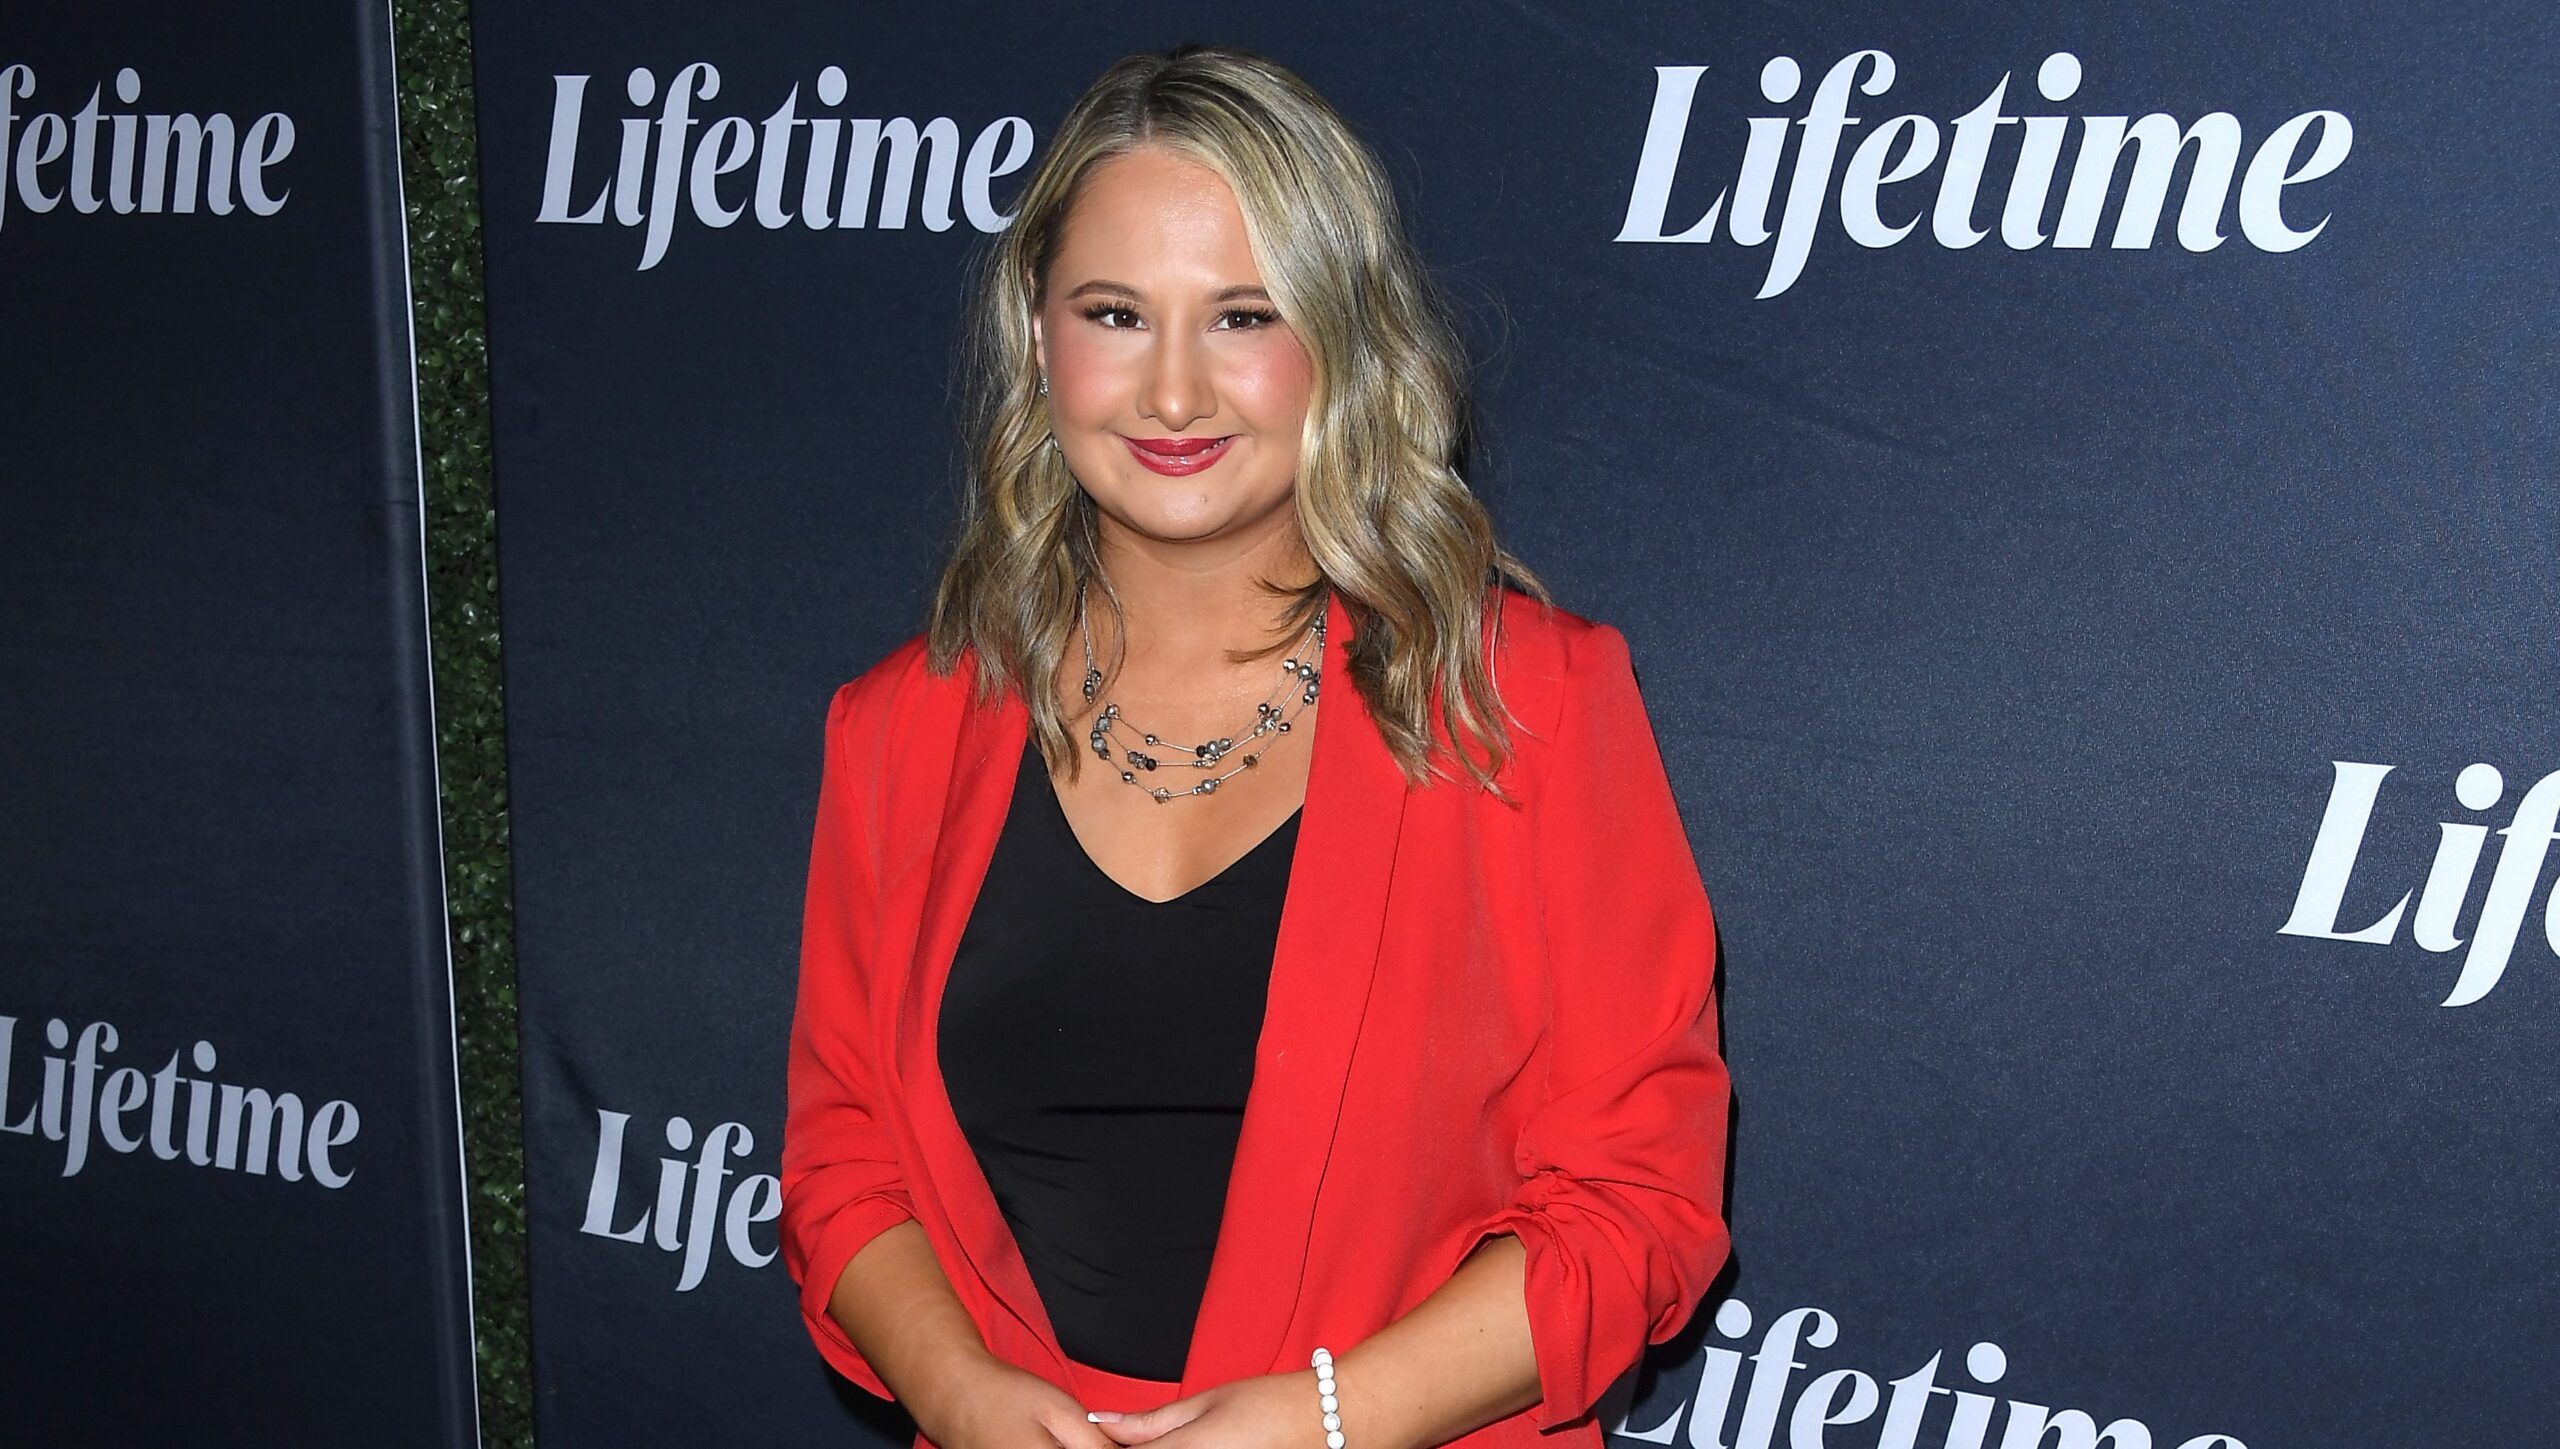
1330 1060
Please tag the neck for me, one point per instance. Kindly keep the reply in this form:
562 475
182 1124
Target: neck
1185 606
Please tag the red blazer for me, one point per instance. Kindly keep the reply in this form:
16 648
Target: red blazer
1481 1020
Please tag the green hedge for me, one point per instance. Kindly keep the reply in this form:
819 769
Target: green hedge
440 166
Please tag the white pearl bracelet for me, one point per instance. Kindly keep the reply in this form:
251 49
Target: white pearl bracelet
1325 1399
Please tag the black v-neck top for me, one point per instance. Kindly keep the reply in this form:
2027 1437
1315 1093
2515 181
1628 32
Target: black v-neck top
1097 1048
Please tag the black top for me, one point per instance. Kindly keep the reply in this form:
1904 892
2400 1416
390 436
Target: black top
1097 1047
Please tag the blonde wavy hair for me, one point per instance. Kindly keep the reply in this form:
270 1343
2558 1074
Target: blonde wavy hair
1385 513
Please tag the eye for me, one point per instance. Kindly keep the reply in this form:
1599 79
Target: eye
1246 319
1102 311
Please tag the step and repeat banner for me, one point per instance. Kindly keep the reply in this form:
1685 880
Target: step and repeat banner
231 1206
2078 486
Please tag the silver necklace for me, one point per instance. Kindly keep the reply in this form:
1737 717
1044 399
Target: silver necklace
1299 676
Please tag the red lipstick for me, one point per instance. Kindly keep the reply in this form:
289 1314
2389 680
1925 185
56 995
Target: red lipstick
1178 457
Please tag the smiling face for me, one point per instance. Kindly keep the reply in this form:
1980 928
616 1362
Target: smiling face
1177 392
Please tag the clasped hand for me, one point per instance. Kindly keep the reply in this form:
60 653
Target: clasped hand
995 1405
1267 1411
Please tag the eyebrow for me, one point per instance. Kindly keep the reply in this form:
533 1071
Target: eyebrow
1224 294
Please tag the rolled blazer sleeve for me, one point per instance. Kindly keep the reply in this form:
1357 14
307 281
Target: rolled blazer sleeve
842 1184
1620 1210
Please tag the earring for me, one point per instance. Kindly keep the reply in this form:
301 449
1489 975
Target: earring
1044 384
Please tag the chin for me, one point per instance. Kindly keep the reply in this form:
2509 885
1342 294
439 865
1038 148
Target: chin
1212 518
1177 519
1184 528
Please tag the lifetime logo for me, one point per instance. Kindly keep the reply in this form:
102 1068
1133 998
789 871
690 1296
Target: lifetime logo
2156 141
77 1098
673 163
699 1203
1905 1410
152 163
2527 839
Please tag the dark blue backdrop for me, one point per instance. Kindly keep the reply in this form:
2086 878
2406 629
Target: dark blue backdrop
2004 611
231 1206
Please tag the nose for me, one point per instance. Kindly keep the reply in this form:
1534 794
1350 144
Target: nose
1177 390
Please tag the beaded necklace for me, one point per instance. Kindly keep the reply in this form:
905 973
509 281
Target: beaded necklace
1299 675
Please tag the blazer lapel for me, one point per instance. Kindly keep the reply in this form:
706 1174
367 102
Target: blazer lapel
976 781
1323 962
1325 958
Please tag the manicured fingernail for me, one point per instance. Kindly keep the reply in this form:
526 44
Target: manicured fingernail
1102 1416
